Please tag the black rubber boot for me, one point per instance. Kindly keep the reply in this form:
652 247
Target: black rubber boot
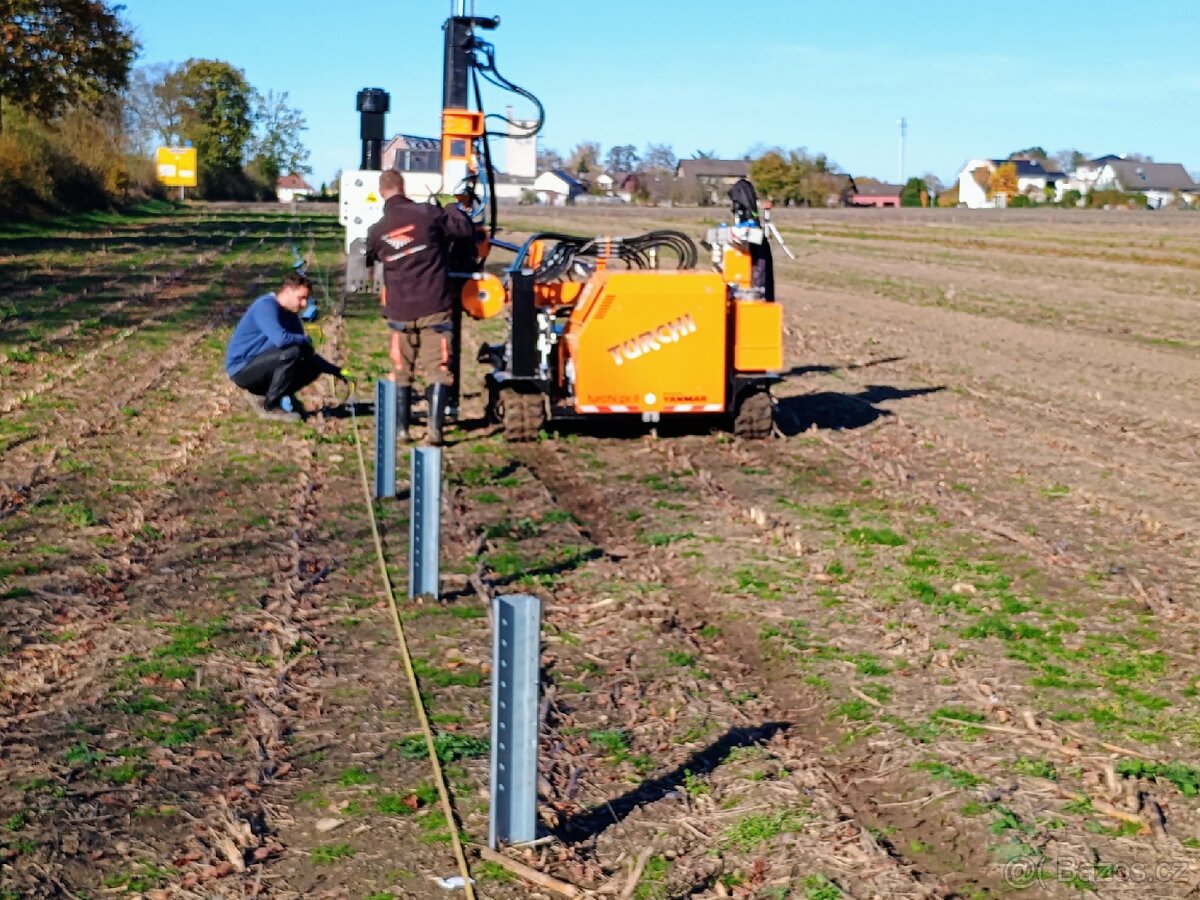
403 412
439 394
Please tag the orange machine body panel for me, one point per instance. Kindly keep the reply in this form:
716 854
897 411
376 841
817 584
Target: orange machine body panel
736 267
460 129
757 336
650 342
554 294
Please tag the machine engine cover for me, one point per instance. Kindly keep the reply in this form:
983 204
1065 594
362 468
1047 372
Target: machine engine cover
650 342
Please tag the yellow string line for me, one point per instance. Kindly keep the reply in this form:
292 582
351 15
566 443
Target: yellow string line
438 777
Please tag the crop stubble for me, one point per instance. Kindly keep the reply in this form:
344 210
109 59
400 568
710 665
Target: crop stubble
940 621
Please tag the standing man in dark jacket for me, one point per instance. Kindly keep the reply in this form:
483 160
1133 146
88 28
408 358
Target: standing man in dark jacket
270 356
412 240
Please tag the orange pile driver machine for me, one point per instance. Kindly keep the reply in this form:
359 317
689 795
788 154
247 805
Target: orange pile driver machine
609 326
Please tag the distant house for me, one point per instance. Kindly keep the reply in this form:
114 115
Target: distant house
513 187
605 183
630 186
1162 184
1032 181
419 160
877 194
716 176
1086 173
292 187
558 187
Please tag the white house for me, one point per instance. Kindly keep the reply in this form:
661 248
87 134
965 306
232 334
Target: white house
558 187
292 187
1032 180
513 187
1162 184
604 182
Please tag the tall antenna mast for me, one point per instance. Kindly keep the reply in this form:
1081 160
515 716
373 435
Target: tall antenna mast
903 134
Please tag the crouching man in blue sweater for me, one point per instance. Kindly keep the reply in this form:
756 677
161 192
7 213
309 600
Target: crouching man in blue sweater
271 357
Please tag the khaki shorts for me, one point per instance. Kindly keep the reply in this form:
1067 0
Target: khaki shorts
423 346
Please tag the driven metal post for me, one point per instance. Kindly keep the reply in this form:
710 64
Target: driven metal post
425 521
385 438
516 656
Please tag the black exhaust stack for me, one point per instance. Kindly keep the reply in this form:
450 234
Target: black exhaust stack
373 104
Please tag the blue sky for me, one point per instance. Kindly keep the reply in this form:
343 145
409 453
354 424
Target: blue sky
972 79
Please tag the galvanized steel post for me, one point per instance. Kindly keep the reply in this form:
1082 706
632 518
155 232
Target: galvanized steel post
425 521
516 659
385 438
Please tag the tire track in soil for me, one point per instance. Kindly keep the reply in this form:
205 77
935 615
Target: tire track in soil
693 605
15 401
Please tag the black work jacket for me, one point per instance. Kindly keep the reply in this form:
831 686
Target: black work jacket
413 241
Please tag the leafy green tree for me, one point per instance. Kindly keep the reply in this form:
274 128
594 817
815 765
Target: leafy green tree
217 119
910 194
796 177
276 147
772 175
58 53
622 158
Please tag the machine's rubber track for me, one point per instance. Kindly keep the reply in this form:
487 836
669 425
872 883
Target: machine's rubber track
754 417
524 415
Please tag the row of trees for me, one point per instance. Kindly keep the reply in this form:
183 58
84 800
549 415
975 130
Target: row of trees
621 159
244 139
78 124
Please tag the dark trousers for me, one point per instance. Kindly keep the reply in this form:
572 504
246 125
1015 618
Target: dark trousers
456 320
276 373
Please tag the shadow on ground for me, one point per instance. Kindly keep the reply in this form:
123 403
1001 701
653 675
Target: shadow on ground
588 824
840 412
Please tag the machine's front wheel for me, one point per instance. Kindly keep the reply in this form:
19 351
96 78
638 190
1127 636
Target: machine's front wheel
524 414
754 416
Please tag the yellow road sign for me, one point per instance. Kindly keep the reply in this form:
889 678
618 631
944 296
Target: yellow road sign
176 166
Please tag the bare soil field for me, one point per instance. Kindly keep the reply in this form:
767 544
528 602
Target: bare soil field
936 638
